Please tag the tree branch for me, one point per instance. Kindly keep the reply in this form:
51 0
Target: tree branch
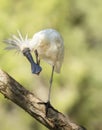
15 92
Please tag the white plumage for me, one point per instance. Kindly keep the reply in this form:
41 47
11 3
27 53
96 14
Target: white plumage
48 45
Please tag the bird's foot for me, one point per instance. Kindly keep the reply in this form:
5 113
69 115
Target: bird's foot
47 107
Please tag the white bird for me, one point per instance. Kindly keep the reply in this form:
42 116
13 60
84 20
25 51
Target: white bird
46 44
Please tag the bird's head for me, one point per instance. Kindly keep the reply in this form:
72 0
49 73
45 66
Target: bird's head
18 42
23 45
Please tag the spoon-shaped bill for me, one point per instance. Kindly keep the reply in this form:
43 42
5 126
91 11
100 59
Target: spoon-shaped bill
36 69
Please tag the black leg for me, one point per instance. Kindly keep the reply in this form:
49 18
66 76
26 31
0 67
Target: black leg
37 57
51 80
47 104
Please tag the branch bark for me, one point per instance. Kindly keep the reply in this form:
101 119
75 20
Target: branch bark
27 100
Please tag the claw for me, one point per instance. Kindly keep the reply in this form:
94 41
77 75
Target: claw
47 107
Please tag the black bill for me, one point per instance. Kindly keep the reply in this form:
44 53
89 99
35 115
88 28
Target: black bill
36 69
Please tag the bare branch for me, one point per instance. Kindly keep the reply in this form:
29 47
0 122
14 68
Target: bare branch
15 92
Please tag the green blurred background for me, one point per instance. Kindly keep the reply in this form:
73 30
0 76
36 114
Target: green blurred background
77 90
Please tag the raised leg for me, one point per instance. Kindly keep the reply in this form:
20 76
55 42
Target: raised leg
37 57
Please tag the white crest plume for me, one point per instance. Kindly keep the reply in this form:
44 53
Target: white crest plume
16 42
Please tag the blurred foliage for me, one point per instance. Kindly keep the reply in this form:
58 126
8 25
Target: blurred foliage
77 89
